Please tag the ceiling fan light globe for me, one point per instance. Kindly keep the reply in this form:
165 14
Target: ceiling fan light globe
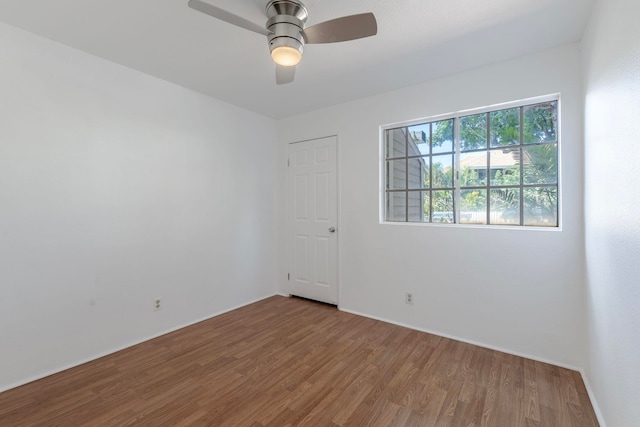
286 56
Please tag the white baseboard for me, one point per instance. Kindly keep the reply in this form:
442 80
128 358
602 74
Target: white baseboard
468 341
592 397
120 348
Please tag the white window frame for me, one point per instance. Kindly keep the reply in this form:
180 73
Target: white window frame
456 115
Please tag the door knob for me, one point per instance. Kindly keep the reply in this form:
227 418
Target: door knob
332 229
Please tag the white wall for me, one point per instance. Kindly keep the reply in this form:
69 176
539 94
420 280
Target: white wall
116 188
612 208
520 290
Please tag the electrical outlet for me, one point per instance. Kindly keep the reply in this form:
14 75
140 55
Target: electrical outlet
157 304
408 298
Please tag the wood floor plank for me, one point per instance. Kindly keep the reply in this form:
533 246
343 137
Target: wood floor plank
289 362
531 400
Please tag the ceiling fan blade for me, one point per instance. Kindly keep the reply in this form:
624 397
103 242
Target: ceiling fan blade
342 29
228 17
284 74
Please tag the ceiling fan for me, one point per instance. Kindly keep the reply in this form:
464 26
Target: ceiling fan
286 32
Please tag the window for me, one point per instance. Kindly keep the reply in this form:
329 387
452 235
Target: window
496 167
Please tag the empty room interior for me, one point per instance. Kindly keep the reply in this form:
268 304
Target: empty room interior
431 219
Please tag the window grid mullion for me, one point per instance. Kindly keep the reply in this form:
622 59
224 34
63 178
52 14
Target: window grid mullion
431 172
406 175
521 166
457 195
488 146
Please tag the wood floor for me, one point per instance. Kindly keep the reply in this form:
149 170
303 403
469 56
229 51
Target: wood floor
286 362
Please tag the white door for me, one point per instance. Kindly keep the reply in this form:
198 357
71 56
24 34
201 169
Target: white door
313 219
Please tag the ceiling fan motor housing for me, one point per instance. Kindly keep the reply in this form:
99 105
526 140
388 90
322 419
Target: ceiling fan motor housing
285 23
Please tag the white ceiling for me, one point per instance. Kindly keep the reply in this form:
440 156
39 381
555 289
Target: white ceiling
417 40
